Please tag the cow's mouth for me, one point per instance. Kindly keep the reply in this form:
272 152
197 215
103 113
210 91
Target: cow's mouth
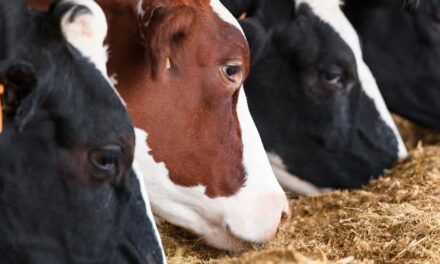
227 241
241 244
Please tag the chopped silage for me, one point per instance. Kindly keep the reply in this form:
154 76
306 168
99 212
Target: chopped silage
395 219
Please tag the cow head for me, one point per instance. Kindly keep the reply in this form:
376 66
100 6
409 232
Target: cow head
68 190
314 100
401 42
181 74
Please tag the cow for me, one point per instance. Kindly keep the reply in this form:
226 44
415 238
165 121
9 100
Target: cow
69 190
317 106
179 66
401 44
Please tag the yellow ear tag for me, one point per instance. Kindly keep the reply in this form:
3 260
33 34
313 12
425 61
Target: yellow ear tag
2 92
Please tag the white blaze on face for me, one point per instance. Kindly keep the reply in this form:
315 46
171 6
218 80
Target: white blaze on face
253 214
330 12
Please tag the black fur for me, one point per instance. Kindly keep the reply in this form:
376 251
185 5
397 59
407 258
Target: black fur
55 207
239 7
330 135
401 41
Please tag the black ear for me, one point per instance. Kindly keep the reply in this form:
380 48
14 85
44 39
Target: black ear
256 36
20 82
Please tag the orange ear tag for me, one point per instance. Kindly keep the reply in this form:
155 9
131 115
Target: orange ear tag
242 16
2 92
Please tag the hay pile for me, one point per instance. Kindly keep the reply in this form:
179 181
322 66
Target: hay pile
395 219
412 133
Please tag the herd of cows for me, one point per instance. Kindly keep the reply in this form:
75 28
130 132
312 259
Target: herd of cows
113 110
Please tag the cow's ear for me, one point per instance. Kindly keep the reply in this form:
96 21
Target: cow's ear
84 26
281 13
256 36
240 7
164 31
19 100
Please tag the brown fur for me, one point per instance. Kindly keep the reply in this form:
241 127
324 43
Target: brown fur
189 110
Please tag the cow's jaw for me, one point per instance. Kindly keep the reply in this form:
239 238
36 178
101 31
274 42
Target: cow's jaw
251 215
290 181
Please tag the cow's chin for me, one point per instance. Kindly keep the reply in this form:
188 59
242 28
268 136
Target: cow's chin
216 236
224 223
224 239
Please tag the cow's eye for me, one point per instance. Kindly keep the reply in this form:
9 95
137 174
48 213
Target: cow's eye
233 72
334 77
107 159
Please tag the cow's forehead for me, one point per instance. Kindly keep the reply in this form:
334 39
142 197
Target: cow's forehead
330 12
225 15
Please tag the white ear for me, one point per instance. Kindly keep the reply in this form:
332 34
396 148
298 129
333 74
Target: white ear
85 27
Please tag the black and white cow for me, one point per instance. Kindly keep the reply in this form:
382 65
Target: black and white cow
68 190
401 42
315 102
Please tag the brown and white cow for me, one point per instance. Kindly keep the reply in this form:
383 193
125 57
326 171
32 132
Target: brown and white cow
180 65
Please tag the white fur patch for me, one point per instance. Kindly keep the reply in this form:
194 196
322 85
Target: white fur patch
140 139
290 181
224 14
330 12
